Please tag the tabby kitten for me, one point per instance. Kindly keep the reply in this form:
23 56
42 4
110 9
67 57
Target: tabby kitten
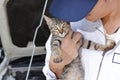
74 70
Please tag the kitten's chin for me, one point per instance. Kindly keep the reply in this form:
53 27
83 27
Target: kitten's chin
62 35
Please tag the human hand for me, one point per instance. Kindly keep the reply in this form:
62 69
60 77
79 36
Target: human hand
70 46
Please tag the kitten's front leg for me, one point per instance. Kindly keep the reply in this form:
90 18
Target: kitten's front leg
57 56
56 52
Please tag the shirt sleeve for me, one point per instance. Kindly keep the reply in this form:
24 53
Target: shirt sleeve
46 69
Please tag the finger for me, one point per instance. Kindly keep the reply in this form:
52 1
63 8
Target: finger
69 34
76 37
78 44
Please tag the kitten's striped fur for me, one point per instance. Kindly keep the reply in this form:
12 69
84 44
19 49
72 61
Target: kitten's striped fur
74 70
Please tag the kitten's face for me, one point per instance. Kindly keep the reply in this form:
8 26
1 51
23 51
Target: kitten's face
57 27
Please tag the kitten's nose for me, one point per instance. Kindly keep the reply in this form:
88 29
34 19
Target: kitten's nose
61 31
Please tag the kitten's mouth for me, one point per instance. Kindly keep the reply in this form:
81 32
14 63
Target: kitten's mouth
62 35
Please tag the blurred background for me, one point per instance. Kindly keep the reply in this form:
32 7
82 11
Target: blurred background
23 18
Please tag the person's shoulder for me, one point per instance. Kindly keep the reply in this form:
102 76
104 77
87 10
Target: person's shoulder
77 25
86 25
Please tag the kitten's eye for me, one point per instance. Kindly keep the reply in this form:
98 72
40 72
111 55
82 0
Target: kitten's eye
55 27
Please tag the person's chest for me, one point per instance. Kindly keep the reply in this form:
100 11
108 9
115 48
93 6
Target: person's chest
95 65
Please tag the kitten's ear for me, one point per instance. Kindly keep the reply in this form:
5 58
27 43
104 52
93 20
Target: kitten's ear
48 20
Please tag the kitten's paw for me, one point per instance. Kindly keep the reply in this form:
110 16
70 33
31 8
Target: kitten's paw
57 60
110 46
